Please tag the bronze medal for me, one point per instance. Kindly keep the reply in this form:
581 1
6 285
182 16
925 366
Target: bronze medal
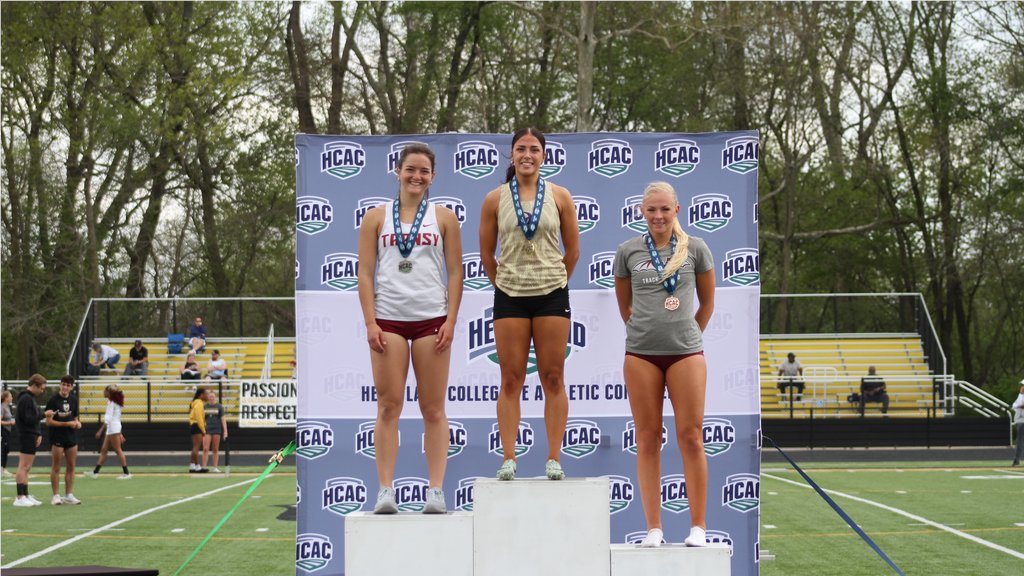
671 303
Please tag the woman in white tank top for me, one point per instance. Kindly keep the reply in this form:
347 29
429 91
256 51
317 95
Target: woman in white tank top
410 287
113 438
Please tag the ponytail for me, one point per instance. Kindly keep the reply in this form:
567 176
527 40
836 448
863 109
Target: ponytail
682 250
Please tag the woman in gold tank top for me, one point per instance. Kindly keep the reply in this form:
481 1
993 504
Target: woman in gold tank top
533 221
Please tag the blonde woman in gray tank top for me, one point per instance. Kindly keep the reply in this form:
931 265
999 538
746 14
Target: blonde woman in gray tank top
530 218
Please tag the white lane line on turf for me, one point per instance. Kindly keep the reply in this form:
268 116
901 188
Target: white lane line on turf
60 545
177 530
1015 524
85 529
926 521
262 529
1011 472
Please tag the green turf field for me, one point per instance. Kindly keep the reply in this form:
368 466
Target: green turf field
254 541
964 513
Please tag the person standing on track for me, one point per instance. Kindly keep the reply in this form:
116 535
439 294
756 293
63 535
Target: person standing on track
62 420
27 415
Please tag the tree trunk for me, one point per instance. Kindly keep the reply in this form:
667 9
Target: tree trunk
586 45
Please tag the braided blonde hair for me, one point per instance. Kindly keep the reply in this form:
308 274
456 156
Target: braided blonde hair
682 239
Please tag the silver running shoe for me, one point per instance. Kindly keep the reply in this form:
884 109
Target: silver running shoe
435 502
385 501
554 470
507 470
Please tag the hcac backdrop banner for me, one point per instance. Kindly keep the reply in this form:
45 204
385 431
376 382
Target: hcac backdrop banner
341 177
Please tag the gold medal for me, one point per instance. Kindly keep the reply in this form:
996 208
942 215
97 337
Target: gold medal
530 247
671 303
405 266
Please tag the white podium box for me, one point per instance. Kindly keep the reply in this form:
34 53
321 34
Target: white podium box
409 543
540 526
674 559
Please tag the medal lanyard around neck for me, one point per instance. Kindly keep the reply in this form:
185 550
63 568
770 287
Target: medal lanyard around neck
669 284
405 242
527 222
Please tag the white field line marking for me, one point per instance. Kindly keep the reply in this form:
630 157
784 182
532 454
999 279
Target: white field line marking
121 521
86 529
177 530
1010 472
262 529
931 523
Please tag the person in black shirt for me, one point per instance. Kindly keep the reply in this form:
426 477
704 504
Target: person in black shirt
26 416
872 389
138 363
62 420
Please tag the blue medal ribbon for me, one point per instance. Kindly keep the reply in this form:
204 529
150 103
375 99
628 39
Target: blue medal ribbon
527 222
407 241
669 284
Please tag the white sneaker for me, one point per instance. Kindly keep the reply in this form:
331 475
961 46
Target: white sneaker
7 474
125 477
215 470
435 502
33 500
697 537
91 474
23 502
70 499
56 500
653 539
385 501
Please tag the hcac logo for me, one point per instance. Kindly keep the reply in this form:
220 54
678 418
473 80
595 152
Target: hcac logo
632 214
473 275
740 154
342 159
343 495
600 270
297 268
312 551
340 271
476 159
742 266
676 157
396 153
609 157
629 437
453 204
719 435
411 493
364 206
581 438
524 440
719 537
673 493
314 439
313 214
457 439
620 493
481 340
588 212
709 212
365 441
635 537
554 159
742 492
464 493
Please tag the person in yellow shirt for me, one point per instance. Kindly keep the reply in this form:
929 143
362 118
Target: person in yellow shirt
197 428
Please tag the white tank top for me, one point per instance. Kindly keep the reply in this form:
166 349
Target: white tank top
420 293
112 417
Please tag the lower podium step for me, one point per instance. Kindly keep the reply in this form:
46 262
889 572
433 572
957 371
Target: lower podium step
409 543
630 560
538 526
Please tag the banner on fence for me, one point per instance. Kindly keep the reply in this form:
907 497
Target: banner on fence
267 404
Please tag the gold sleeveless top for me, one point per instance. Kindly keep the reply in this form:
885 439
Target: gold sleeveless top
523 271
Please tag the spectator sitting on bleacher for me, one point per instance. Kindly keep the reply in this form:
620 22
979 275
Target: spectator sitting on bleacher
103 357
190 371
138 361
217 368
872 389
789 370
197 336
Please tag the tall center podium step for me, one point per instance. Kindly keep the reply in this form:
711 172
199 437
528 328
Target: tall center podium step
526 526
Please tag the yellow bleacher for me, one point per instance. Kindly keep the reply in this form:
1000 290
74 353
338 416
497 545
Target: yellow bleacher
162 389
833 367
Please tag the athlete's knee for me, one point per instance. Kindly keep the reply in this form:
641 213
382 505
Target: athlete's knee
512 384
389 410
432 414
690 439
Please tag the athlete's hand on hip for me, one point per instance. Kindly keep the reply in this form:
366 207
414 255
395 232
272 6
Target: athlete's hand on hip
444 336
375 338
